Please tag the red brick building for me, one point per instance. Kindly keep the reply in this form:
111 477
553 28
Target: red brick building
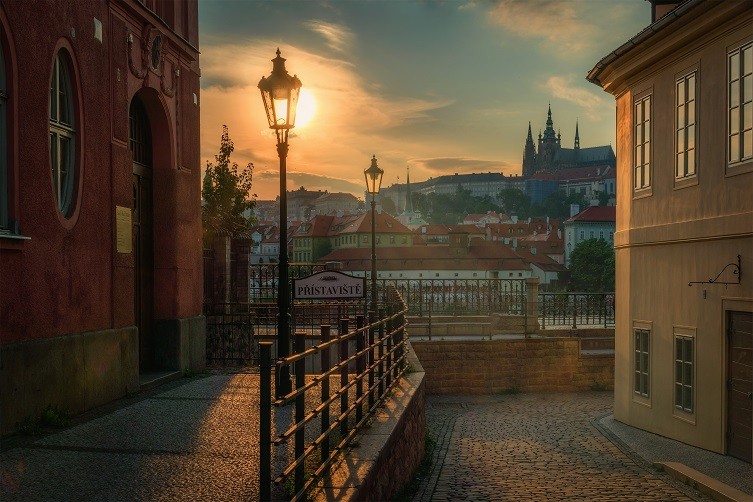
100 228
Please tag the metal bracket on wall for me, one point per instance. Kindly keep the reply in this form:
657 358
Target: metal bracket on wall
736 271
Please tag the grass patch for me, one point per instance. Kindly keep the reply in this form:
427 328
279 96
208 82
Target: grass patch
422 471
49 417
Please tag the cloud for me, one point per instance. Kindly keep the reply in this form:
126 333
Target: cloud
314 181
338 37
558 23
445 165
565 87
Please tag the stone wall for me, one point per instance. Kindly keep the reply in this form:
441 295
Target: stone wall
526 365
389 451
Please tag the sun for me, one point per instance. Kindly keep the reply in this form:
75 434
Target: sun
306 108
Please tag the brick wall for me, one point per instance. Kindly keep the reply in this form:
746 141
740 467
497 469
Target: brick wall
527 365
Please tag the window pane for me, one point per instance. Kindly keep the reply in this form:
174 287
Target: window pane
734 93
747 88
748 60
734 66
638 113
734 121
680 116
681 140
637 382
644 341
647 108
644 384
678 349
644 363
680 91
638 135
678 394
687 402
734 148
691 162
54 93
54 156
691 112
691 87
748 144
747 115
691 137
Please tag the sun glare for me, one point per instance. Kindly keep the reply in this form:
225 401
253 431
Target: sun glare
306 108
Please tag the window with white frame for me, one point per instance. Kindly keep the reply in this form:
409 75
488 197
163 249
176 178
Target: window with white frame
641 366
740 73
62 134
685 126
684 357
642 137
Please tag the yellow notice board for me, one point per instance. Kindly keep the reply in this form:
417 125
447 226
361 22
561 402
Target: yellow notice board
123 229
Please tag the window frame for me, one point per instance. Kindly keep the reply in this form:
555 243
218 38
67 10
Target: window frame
742 164
642 362
686 177
686 336
65 192
5 189
647 143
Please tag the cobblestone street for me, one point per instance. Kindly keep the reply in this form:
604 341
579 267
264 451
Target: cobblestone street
534 447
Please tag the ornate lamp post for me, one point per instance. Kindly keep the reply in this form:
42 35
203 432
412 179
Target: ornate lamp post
373 177
279 91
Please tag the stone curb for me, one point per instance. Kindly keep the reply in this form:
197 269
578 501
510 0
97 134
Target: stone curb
705 484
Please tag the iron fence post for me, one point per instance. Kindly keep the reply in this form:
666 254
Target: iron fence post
604 308
300 403
575 311
380 353
343 375
370 361
265 420
325 366
359 367
389 345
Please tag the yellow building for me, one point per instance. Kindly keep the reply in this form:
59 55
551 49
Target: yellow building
684 95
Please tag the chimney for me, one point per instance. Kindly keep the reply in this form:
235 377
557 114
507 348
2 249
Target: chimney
661 7
574 209
533 250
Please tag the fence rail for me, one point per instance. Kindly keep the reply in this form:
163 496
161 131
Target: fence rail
576 309
378 361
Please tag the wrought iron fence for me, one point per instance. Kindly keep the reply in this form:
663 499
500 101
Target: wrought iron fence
230 336
426 297
262 279
576 309
378 359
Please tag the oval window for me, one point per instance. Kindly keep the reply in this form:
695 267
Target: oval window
62 134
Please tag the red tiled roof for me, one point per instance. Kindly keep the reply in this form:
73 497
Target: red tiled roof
595 213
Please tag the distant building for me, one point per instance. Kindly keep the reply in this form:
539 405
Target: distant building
595 222
684 100
550 155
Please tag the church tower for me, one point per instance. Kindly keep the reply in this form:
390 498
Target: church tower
549 145
529 155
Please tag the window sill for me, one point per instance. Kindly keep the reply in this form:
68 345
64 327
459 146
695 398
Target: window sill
684 416
685 182
739 168
642 193
13 242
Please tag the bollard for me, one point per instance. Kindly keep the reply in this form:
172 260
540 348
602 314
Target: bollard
343 376
325 365
265 420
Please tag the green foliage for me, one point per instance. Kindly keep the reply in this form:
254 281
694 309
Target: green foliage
516 202
388 205
592 267
49 417
320 247
226 194
451 209
557 205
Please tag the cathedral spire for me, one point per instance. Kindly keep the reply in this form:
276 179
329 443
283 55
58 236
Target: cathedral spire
409 200
577 136
529 154
549 133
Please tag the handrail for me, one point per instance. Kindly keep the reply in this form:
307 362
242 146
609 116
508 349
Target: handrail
370 370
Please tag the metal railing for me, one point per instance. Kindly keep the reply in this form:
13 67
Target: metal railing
426 297
366 375
575 310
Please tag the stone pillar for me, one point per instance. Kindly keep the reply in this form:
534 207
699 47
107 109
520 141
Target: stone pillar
532 305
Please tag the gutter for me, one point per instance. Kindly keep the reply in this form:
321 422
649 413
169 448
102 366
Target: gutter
648 32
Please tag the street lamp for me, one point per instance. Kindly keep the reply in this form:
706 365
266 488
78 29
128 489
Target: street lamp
373 177
279 91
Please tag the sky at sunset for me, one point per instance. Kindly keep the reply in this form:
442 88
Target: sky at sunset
440 86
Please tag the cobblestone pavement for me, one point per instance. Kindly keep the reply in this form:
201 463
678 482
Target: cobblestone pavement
534 447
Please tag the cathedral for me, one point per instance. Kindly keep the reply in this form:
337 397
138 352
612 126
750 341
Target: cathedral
549 156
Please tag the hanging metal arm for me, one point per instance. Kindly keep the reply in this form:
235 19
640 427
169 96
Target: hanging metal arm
736 271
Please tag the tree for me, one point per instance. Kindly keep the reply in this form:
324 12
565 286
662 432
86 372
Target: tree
226 194
515 202
592 267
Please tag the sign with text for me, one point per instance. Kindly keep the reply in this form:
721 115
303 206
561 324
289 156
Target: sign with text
329 285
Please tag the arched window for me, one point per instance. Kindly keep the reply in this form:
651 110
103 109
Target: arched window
62 134
4 189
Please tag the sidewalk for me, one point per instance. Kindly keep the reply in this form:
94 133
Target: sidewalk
197 439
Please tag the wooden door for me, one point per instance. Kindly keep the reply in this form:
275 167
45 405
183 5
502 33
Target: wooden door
739 384
143 242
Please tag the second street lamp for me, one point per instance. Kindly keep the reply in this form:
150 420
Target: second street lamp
373 177
279 91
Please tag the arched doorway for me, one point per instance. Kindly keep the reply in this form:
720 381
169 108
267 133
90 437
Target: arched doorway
140 145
